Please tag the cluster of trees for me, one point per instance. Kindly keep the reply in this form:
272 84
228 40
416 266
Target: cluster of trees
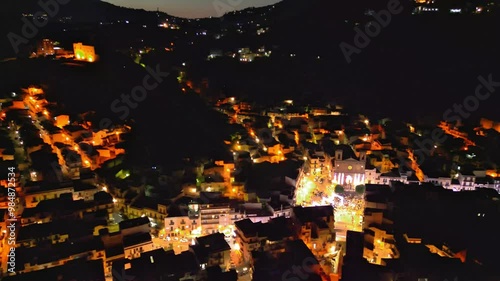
360 189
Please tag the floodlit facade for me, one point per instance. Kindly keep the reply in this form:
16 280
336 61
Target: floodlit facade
84 52
349 172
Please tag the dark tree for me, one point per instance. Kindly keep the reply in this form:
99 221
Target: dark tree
360 189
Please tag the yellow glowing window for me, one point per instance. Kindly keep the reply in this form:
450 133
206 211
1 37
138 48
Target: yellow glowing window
80 54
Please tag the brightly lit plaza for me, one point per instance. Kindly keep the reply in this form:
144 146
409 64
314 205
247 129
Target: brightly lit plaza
317 191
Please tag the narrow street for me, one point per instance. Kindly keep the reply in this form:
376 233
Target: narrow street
414 165
456 134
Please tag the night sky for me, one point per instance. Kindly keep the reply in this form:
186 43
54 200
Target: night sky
191 8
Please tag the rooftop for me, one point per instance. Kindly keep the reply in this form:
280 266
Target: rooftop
158 265
311 214
210 244
275 230
134 222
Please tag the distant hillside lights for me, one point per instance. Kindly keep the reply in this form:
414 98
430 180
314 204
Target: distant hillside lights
169 25
45 48
49 9
84 52
371 30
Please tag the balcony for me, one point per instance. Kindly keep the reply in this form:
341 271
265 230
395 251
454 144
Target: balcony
214 221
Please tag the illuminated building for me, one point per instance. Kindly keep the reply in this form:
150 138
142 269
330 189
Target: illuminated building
317 226
84 52
318 164
268 237
349 171
438 179
215 54
34 195
61 120
182 226
45 48
213 216
155 211
466 180
212 250
207 218
372 175
380 243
